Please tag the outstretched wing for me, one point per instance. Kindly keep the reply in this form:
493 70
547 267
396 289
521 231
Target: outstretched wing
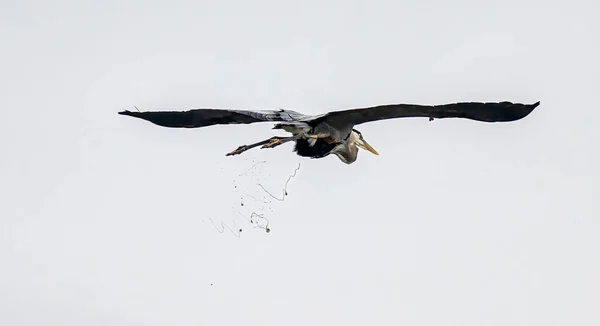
487 112
196 118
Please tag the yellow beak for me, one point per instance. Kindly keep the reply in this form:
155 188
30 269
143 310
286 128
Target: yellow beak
364 145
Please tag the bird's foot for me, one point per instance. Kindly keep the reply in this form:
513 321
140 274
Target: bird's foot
319 135
238 150
272 143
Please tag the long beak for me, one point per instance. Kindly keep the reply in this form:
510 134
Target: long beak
364 145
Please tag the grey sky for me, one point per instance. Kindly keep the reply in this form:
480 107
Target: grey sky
105 219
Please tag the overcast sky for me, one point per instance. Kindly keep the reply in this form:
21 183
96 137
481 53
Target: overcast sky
107 220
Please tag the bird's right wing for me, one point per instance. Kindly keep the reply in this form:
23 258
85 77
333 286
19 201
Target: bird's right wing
196 118
480 111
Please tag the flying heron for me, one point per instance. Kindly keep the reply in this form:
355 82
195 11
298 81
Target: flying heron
317 136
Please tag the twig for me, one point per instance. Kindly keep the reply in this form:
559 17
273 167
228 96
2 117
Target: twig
257 163
285 193
223 226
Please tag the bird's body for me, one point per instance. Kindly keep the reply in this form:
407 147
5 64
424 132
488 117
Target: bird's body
317 136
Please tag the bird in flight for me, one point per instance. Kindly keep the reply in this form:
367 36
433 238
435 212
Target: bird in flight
317 136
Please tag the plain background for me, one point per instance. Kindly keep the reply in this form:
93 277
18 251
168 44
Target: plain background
106 220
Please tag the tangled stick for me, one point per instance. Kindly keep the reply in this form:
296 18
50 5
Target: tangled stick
255 215
285 193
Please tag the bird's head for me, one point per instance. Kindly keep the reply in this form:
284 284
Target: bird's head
362 143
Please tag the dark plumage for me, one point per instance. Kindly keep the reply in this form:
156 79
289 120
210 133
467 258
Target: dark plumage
320 149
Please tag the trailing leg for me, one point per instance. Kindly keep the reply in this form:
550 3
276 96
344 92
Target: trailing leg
269 143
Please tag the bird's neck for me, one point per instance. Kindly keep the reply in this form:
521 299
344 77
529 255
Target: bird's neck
347 151
352 138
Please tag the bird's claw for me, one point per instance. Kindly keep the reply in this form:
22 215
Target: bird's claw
274 142
238 150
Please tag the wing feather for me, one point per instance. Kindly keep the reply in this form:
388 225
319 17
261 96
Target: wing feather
196 118
480 111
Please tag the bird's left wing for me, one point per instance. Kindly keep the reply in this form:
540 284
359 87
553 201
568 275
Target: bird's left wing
196 118
480 111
